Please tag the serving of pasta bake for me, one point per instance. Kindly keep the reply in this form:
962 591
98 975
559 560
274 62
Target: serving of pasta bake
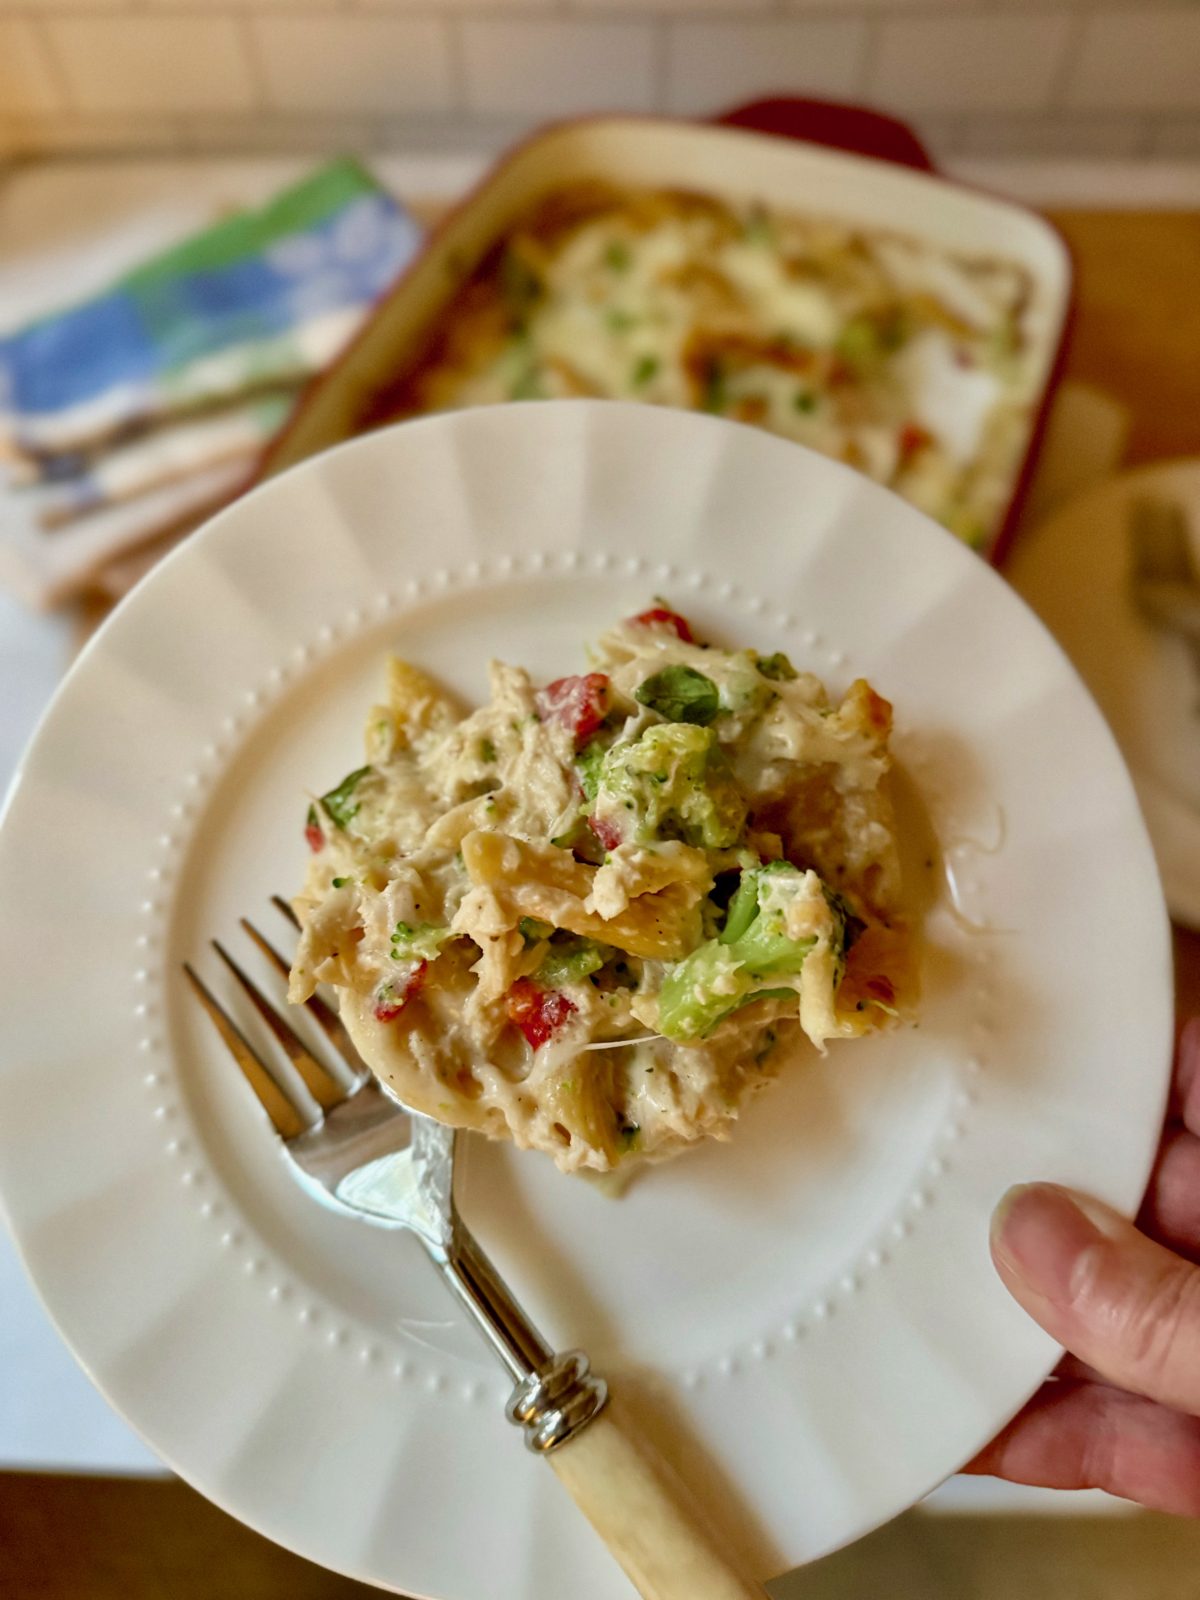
595 915
908 361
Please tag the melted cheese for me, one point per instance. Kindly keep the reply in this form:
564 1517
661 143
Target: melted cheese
908 362
503 972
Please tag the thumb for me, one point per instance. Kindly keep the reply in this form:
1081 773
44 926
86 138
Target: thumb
1118 1301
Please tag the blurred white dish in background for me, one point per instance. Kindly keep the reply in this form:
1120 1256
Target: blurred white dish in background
1074 570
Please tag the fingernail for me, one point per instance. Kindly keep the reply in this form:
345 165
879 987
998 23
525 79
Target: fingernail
1039 1232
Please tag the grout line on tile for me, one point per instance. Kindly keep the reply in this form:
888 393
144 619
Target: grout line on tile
1143 146
457 61
660 66
1061 84
40 27
252 51
870 54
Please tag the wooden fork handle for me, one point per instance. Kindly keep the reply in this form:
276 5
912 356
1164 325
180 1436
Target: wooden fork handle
644 1515
626 1491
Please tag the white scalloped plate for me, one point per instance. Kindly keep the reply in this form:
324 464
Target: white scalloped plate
809 1312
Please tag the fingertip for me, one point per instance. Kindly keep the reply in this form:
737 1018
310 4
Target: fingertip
1004 1208
1040 1233
1121 1303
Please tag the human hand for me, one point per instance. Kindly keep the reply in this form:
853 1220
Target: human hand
1122 1411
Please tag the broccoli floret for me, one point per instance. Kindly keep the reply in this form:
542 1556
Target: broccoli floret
756 926
340 804
777 667
672 783
746 690
422 941
749 957
570 962
680 694
588 764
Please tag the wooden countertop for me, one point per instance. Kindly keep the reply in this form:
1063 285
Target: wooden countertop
1137 328
1137 336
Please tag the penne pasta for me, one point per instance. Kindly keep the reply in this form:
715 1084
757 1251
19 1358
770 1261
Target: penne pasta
595 916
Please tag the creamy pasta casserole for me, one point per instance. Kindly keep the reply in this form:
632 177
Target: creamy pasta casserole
591 915
907 361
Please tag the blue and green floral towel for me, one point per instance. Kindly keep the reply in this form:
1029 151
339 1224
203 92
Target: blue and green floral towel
257 302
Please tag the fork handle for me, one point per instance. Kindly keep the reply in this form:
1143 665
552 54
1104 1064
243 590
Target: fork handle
644 1514
626 1491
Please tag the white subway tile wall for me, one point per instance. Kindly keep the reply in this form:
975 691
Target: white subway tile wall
1054 136
1107 79
352 64
728 8
712 65
556 67
27 81
972 63
152 64
1127 59
1178 137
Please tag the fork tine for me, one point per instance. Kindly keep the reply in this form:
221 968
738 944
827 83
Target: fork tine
320 1083
268 949
283 1114
330 1024
281 904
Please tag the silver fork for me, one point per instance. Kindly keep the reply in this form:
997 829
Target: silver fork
368 1156
1164 580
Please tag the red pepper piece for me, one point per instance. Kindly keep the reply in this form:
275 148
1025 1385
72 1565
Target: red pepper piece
660 617
605 832
312 831
538 1012
913 439
392 996
580 704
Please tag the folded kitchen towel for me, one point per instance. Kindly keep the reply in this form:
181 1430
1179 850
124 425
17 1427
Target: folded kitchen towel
132 416
47 569
262 299
164 455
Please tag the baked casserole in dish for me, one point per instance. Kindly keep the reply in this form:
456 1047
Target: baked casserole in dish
886 317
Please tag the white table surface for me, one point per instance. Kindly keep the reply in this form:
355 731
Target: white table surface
66 228
50 1416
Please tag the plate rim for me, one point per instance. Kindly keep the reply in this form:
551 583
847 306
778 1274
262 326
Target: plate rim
139 600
